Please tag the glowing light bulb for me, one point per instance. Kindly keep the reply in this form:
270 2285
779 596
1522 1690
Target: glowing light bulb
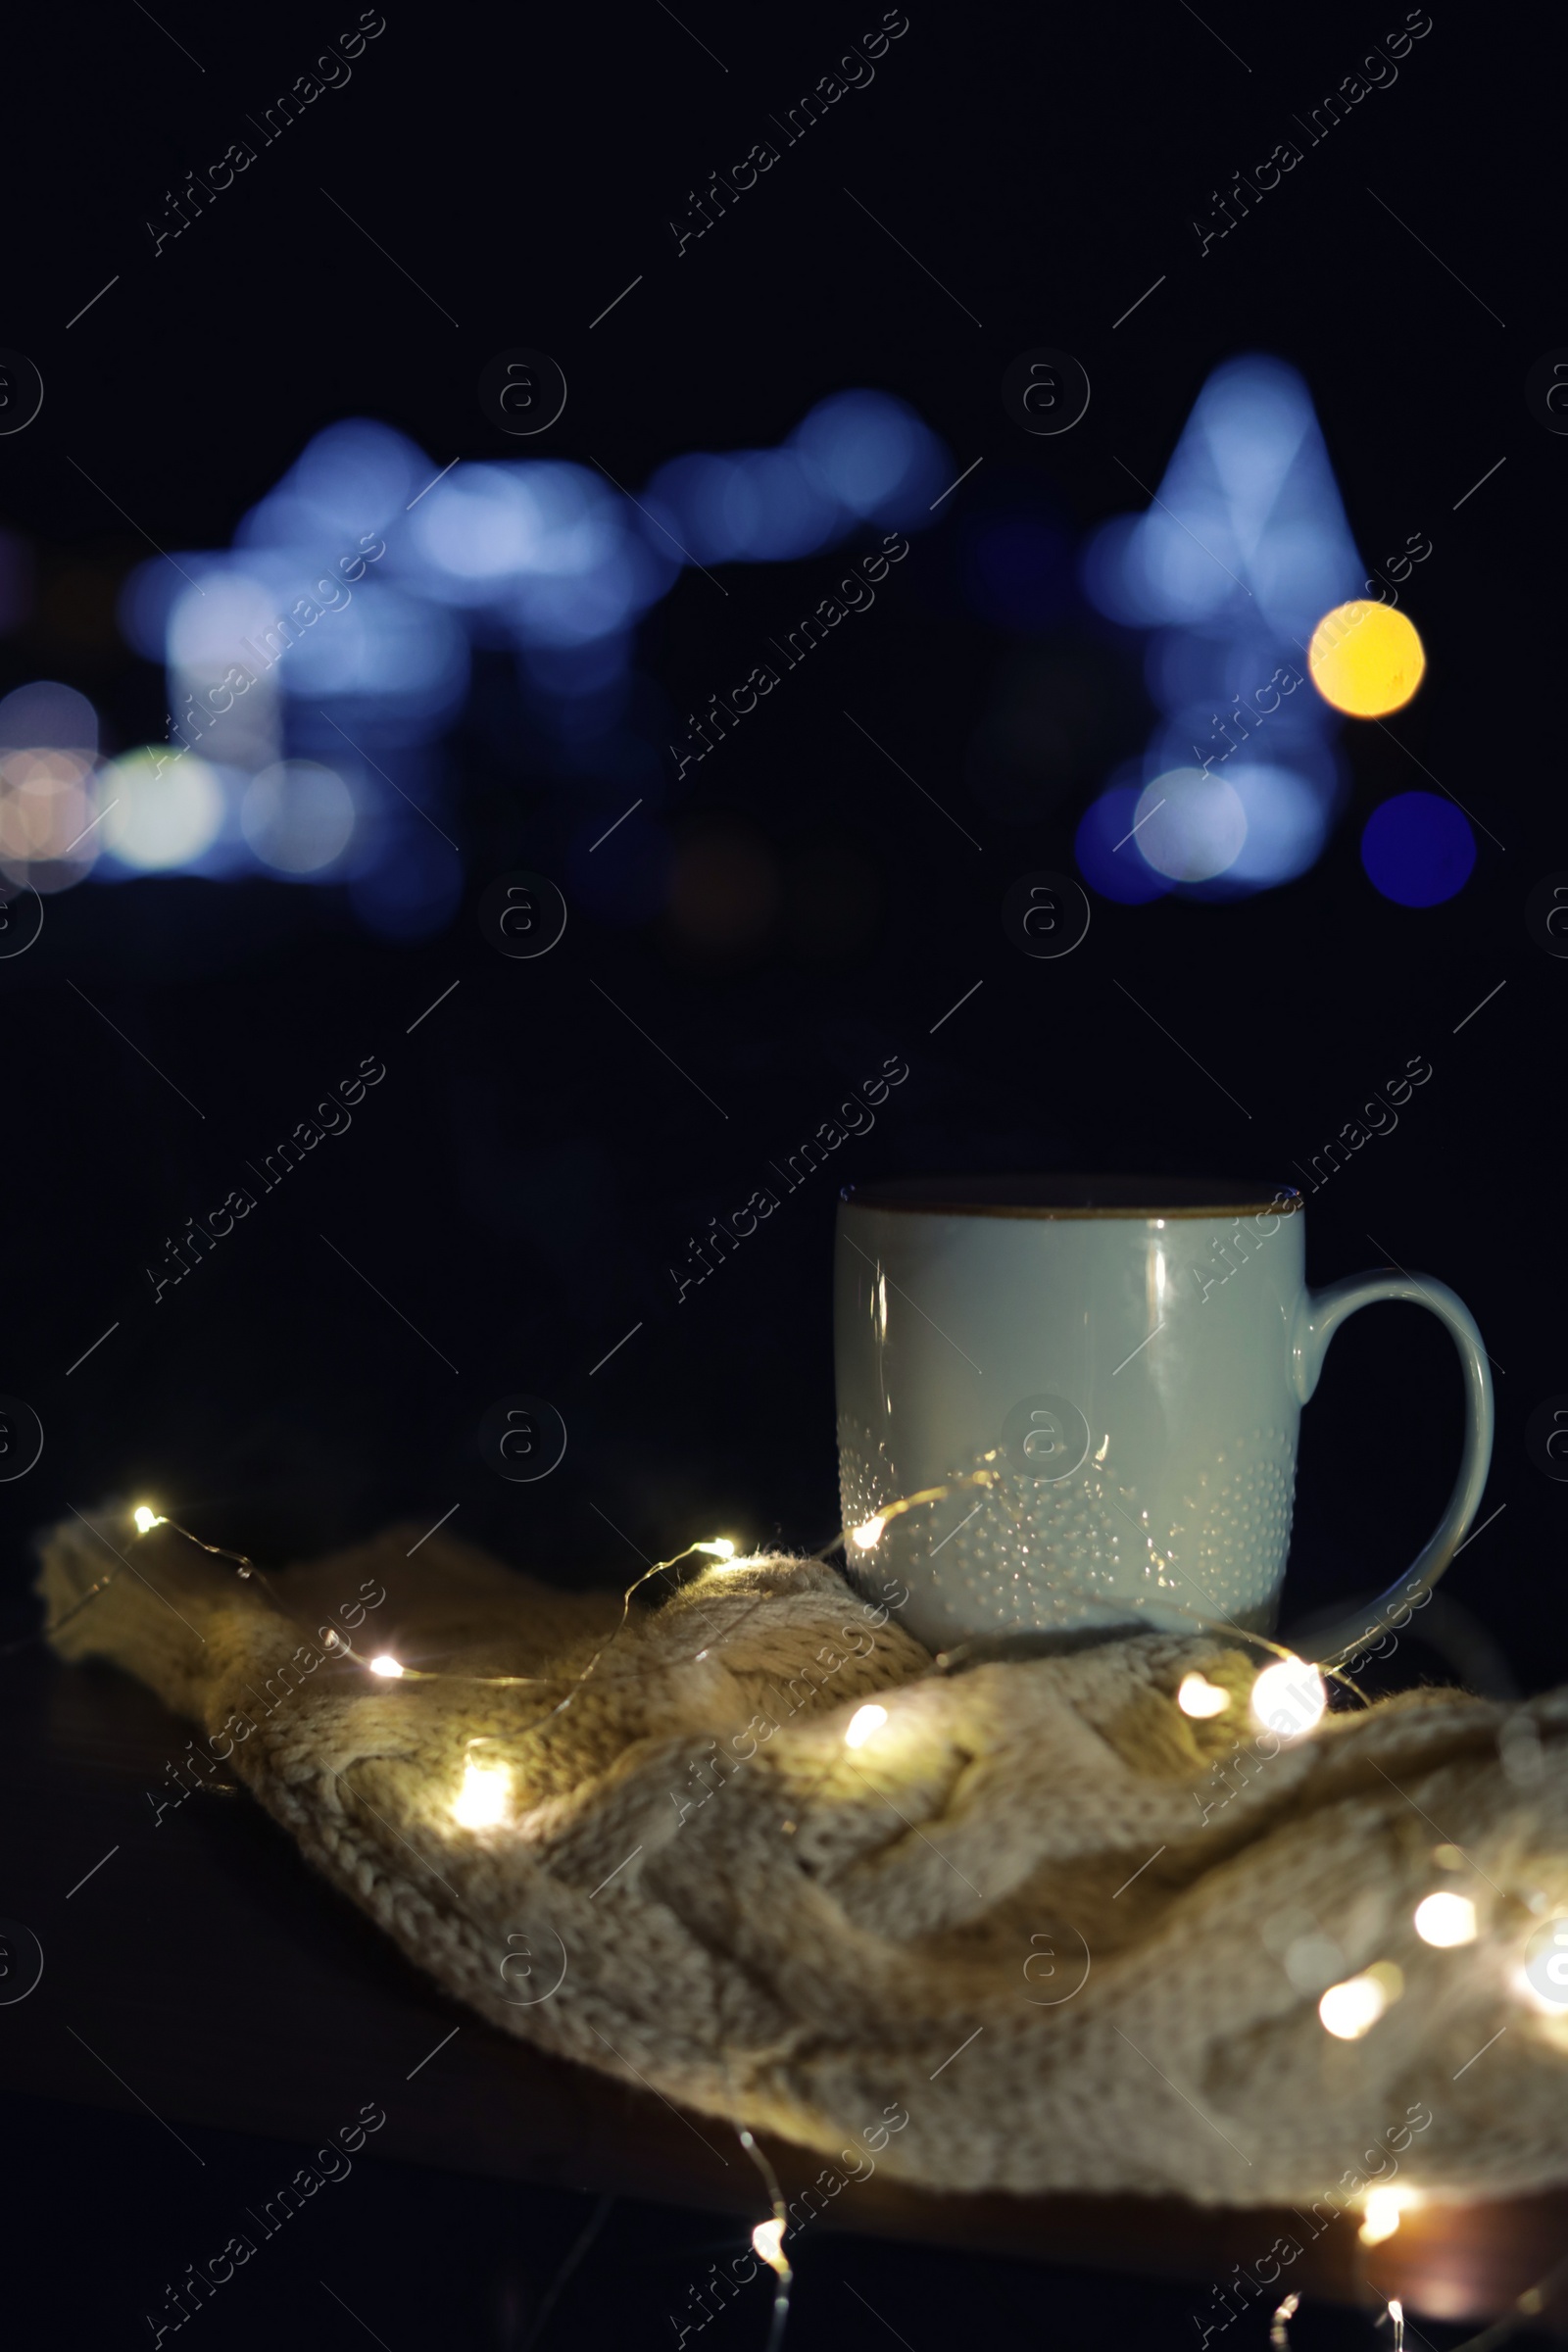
1381 2212
767 2243
1290 1697
483 1798
1366 658
146 1519
721 1549
1200 1697
862 1723
1396 2315
869 1533
1445 1919
1352 2008
387 1665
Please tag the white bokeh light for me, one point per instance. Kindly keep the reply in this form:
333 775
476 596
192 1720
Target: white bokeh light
1445 1919
1351 2009
157 820
1290 1698
1189 826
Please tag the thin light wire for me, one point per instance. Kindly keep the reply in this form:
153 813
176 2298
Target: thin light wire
783 2275
247 1568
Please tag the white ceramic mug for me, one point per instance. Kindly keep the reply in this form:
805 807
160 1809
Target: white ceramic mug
1126 1360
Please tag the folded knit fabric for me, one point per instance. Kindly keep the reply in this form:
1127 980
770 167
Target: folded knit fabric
1028 1926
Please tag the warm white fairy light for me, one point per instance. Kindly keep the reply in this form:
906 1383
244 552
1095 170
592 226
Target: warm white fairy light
1288 1697
387 1665
1352 2008
869 1531
1279 2334
1445 1919
144 1519
1382 2208
719 1549
484 1797
767 2244
862 1723
1396 2315
1543 1979
1198 1696
1532 1995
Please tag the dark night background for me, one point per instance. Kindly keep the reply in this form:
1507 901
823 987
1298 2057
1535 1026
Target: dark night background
530 1168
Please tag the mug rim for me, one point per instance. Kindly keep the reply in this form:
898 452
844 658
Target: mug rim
1068 1196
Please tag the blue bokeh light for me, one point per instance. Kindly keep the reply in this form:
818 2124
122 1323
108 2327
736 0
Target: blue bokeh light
47 716
1247 519
481 525
1242 549
756 506
402 663
336 637
353 479
875 455
1418 850
1288 818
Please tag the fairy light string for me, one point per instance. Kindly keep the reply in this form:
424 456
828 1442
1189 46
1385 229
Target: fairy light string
1288 1697
1443 1919
724 1553
767 2241
145 1519
484 1798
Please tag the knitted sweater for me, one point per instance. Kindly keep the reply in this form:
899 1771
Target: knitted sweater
1028 1926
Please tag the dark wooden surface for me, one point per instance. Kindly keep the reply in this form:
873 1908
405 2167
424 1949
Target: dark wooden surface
206 1973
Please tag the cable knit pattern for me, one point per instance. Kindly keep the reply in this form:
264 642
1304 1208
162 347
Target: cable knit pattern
1039 1910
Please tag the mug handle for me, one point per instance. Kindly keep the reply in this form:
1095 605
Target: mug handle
1318 1318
